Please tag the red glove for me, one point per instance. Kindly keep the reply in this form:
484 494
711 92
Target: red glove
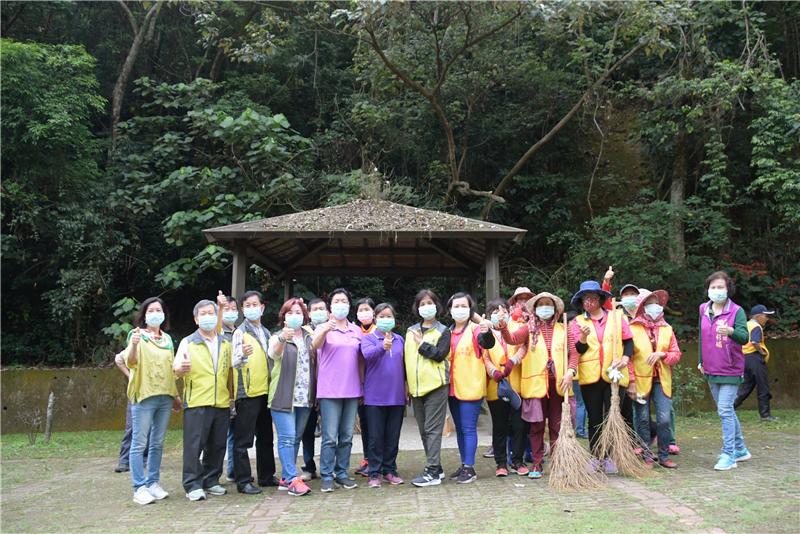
516 314
497 376
508 367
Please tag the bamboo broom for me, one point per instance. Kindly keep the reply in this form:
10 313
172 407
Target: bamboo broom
569 458
617 440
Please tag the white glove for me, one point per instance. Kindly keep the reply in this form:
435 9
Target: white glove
614 374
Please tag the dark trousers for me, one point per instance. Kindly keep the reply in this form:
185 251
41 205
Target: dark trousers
597 398
551 410
253 420
363 422
310 465
507 423
125 444
385 423
755 375
204 430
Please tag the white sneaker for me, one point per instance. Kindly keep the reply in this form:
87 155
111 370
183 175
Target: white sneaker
196 495
217 490
157 491
142 496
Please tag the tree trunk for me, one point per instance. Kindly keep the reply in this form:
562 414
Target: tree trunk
677 246
48 424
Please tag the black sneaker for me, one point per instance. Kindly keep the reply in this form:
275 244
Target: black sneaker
467 475
768 419
457 473
427 478
326 486
269 483
346 483
440 472
122 469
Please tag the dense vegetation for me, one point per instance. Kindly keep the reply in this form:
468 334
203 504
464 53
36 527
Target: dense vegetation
662 138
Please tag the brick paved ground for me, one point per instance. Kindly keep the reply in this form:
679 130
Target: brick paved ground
763 495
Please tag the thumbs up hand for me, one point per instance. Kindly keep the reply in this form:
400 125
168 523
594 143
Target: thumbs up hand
387 341
186 364
136 336
609 274
221 300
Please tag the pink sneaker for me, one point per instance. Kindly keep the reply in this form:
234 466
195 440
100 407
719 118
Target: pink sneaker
674 449
298 488
393 479
374 482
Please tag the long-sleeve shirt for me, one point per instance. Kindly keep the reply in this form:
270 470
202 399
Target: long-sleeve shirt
385 373
739 335
521 336
578 348
436 352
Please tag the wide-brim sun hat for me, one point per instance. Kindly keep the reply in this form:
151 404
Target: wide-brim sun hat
644 294
588 286
518 292
559 304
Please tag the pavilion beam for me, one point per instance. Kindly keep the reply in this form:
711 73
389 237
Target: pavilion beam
286 271
445 251
263 260
239 274
492 270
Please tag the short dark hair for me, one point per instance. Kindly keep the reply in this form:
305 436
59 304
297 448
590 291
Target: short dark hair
252 293
366 300
140 315
421 294
463 295
384 306
233 300
339 291
495 304
722 275
316 300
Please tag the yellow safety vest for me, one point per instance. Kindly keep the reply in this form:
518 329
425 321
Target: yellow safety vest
422 374
203 385
750 347
500 354
534 365
642 349
254 375
594 363
468 370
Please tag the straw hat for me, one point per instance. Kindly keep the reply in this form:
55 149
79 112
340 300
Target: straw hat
644 294
517 292
559 304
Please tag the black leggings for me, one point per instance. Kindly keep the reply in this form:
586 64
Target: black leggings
507 422
597 398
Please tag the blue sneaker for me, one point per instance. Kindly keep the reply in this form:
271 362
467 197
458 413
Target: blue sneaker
743 455
725 463
535 473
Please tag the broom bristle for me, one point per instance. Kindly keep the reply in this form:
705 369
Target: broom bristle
571 461
617 441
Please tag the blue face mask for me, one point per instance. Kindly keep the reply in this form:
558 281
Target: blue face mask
653 310
319 316
427 312
545 313
385 324
718 295
340 310
229 317
253 313
629 302
207 322
294 321
495 320
154 318
459 314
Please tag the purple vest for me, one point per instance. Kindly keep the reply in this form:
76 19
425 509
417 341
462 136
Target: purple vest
721 355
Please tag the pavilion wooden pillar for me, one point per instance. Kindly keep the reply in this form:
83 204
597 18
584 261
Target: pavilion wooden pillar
239 274
287 288
492 270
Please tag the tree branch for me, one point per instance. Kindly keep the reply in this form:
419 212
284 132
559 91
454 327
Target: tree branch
129 16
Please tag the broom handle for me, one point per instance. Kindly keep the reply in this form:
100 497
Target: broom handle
566 355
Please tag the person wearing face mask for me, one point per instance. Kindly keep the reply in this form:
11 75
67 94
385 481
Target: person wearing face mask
507 422
723 331
655 352
250 386
339 387
628 300
427 346
152 394
365 318
203 361
756 356
318 313
544 380
292 389
467 380
230 314
601 341
384 395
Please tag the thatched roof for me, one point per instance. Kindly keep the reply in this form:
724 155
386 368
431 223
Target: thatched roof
366 237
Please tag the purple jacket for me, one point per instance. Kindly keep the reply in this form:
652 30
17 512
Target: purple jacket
385 373
722 356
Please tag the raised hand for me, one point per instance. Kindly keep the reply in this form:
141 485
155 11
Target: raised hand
136 336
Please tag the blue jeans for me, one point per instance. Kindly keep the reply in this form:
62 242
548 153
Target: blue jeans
338 419
732 438
290 427
229 470
149 421
465 416
580 411
663 405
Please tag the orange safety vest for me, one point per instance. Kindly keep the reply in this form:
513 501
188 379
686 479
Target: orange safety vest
500 354
642 349
750 347
594 363
534 365
467 371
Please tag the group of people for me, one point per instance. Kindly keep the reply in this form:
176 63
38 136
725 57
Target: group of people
521 356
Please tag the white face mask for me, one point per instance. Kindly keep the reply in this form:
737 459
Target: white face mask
340 310
459 314
718 295
654 310
545 312
427 311
365 317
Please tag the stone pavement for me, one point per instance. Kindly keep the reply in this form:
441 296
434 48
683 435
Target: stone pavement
761 495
